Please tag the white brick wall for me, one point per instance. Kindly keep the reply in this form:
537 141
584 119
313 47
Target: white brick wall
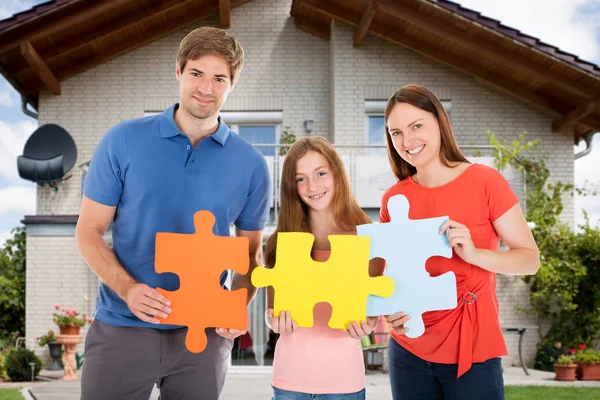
285 69
56 274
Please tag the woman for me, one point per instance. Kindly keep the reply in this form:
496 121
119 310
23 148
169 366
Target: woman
316 198
458 356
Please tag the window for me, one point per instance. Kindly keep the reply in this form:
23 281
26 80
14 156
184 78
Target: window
376 134
259 134
258 128
375 124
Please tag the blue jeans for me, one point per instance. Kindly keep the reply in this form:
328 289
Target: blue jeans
413 378
279 394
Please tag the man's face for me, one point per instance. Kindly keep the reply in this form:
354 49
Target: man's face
204 85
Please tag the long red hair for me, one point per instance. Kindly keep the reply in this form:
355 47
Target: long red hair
293 213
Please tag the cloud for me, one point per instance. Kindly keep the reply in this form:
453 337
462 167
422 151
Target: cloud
5 98
570 25
586 175
19 200
11 7
12 141
16 201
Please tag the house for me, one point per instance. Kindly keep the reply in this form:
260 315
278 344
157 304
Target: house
320 67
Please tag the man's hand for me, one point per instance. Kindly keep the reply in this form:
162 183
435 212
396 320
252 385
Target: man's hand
233 333
146 303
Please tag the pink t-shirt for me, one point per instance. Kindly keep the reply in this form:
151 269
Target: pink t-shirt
319 359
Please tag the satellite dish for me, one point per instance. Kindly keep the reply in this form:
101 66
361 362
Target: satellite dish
49 154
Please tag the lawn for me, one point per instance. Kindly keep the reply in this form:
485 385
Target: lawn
10 394
551 393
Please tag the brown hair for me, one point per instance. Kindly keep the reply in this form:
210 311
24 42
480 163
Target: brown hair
424 99
214 41
293 213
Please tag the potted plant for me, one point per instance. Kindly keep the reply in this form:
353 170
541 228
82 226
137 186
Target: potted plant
68 320
589 363
54 347
565 368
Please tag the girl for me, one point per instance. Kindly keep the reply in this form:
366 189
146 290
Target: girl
316 198
458 356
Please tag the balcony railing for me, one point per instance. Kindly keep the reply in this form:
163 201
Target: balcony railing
370 174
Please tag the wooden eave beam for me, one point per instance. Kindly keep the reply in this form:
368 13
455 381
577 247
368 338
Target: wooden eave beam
66 46
39 66
489 50
365 23
123 47
94 10
575 115
224 13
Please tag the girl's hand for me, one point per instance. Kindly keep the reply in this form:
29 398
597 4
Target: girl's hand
357 331
283 324
460 239
396 322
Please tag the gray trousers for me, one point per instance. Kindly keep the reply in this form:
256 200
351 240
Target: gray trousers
125 363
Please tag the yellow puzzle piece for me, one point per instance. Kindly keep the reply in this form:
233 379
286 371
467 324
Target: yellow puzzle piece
343 280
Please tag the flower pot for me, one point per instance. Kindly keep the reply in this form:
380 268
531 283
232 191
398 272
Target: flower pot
55 353
69 330
565 372
590 372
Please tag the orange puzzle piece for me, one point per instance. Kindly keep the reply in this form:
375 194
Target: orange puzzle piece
199 259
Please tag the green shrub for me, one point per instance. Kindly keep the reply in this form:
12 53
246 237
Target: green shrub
3 354
546 356
17 365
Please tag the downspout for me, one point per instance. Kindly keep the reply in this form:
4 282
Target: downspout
587 138
25 110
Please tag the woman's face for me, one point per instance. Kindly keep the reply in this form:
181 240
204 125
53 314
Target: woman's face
415 134
314 181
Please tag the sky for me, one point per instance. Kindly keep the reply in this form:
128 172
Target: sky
571 25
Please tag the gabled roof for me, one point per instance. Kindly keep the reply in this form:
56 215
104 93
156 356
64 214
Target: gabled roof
58 39
476 45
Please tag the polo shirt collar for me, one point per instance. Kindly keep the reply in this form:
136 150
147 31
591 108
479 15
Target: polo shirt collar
168 128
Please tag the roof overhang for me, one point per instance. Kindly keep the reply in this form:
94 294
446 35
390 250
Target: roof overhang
59 39
478 46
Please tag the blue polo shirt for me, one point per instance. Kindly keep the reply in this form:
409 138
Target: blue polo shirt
150 171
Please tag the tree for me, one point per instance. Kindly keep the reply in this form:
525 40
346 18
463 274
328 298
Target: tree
12 286
566 289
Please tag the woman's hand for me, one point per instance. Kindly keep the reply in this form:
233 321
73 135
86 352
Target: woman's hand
283 324
396 322
356 330
460 239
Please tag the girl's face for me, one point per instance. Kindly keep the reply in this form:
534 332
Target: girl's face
314 181
415 134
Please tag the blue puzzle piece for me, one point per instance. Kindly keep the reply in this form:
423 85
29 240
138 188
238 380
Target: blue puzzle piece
406 245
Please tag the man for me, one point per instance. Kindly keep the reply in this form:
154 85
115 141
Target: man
151 175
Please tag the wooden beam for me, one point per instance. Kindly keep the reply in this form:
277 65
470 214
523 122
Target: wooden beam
574 116
489 50
173 24
95 9
365 23
67 45
224 13
40 67
324 32
145 18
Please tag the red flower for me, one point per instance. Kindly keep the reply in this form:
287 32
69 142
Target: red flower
573 351
57 307
582 347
